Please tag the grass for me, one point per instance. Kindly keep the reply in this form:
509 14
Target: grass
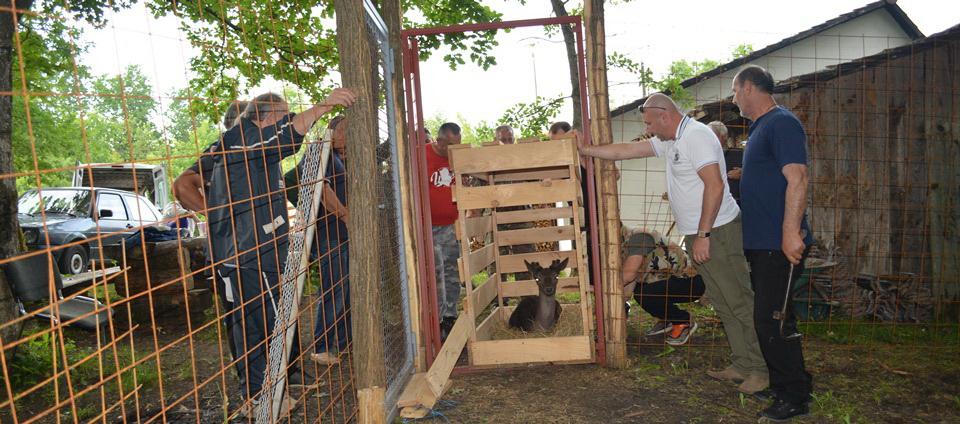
37 360
867 333
828 405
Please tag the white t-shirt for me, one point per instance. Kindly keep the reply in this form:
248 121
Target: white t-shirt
695 146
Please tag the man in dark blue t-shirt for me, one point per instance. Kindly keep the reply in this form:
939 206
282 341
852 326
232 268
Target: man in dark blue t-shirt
776 236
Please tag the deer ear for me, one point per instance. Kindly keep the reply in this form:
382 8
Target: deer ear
562 264
532 267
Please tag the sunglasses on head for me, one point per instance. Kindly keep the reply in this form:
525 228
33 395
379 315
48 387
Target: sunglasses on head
643 109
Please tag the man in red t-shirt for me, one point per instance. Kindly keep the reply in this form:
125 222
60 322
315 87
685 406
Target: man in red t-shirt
443 213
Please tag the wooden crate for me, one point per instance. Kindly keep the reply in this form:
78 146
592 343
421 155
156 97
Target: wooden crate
520 195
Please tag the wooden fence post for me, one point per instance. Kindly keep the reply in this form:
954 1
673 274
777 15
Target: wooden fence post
608 206
356 69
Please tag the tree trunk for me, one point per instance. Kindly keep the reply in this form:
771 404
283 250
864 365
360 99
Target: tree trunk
355 52
608 206
560 10
8 184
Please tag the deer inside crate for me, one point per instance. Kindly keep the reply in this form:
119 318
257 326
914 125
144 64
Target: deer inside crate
540 312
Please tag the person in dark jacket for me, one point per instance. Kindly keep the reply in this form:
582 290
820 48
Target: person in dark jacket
248 219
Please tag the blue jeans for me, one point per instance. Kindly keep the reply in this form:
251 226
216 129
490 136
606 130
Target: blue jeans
332 330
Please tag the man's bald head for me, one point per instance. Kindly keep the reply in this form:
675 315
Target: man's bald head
661 102
662 116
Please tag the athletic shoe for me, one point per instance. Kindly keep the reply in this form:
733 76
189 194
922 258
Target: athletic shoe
659 328
681 334
783 411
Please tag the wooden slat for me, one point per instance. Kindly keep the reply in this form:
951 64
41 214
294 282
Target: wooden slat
514 263
370 402
529 287
480 259
536 235
483 295
532 350
512 156
478 226
517 194
485 329
528 215
439 373
528 175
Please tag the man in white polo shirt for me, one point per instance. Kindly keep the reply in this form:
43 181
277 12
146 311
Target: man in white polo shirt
709 218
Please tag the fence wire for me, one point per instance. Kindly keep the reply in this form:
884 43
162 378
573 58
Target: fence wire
119 307
879 114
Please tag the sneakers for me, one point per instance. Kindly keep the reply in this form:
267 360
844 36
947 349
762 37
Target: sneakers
659 328
727 374
681 333
753 384
783 411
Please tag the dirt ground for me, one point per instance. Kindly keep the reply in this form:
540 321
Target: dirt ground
878 383
861 374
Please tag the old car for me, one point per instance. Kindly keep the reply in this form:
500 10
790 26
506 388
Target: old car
76 223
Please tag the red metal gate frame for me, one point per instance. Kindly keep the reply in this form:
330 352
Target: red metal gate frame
429 314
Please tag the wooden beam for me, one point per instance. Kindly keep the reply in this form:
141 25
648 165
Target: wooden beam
479 259
615 328
370 405
485 293
532 350
499 196
528 215
509 157
537 235
514 263
529 287
439 372
478 226
558 173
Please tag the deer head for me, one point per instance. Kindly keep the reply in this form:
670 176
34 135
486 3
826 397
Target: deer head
546 278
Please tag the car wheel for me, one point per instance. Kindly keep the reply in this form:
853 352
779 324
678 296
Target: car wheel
74 260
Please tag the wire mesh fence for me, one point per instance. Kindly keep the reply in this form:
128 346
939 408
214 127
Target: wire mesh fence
880 116
122 305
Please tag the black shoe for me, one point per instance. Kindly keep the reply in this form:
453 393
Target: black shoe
782 411
445 326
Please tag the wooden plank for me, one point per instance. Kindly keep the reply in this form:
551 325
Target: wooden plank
540 174
478 226
513 156
517 194
479 259
514 263
483 295
88 276
532 350
439 373
529 287
370 405
411 393
485 329
528 215
536 235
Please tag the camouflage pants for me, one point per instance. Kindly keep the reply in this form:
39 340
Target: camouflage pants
446 251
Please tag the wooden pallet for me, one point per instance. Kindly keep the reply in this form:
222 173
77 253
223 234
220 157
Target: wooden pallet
516 186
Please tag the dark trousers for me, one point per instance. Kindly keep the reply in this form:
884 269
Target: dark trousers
332 330
245 326
769 270
660 298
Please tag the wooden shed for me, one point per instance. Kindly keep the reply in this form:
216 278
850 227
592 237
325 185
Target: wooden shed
884 143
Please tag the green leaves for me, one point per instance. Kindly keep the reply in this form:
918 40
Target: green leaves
532 119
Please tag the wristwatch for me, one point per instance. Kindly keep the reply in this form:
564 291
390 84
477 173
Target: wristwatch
703 234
